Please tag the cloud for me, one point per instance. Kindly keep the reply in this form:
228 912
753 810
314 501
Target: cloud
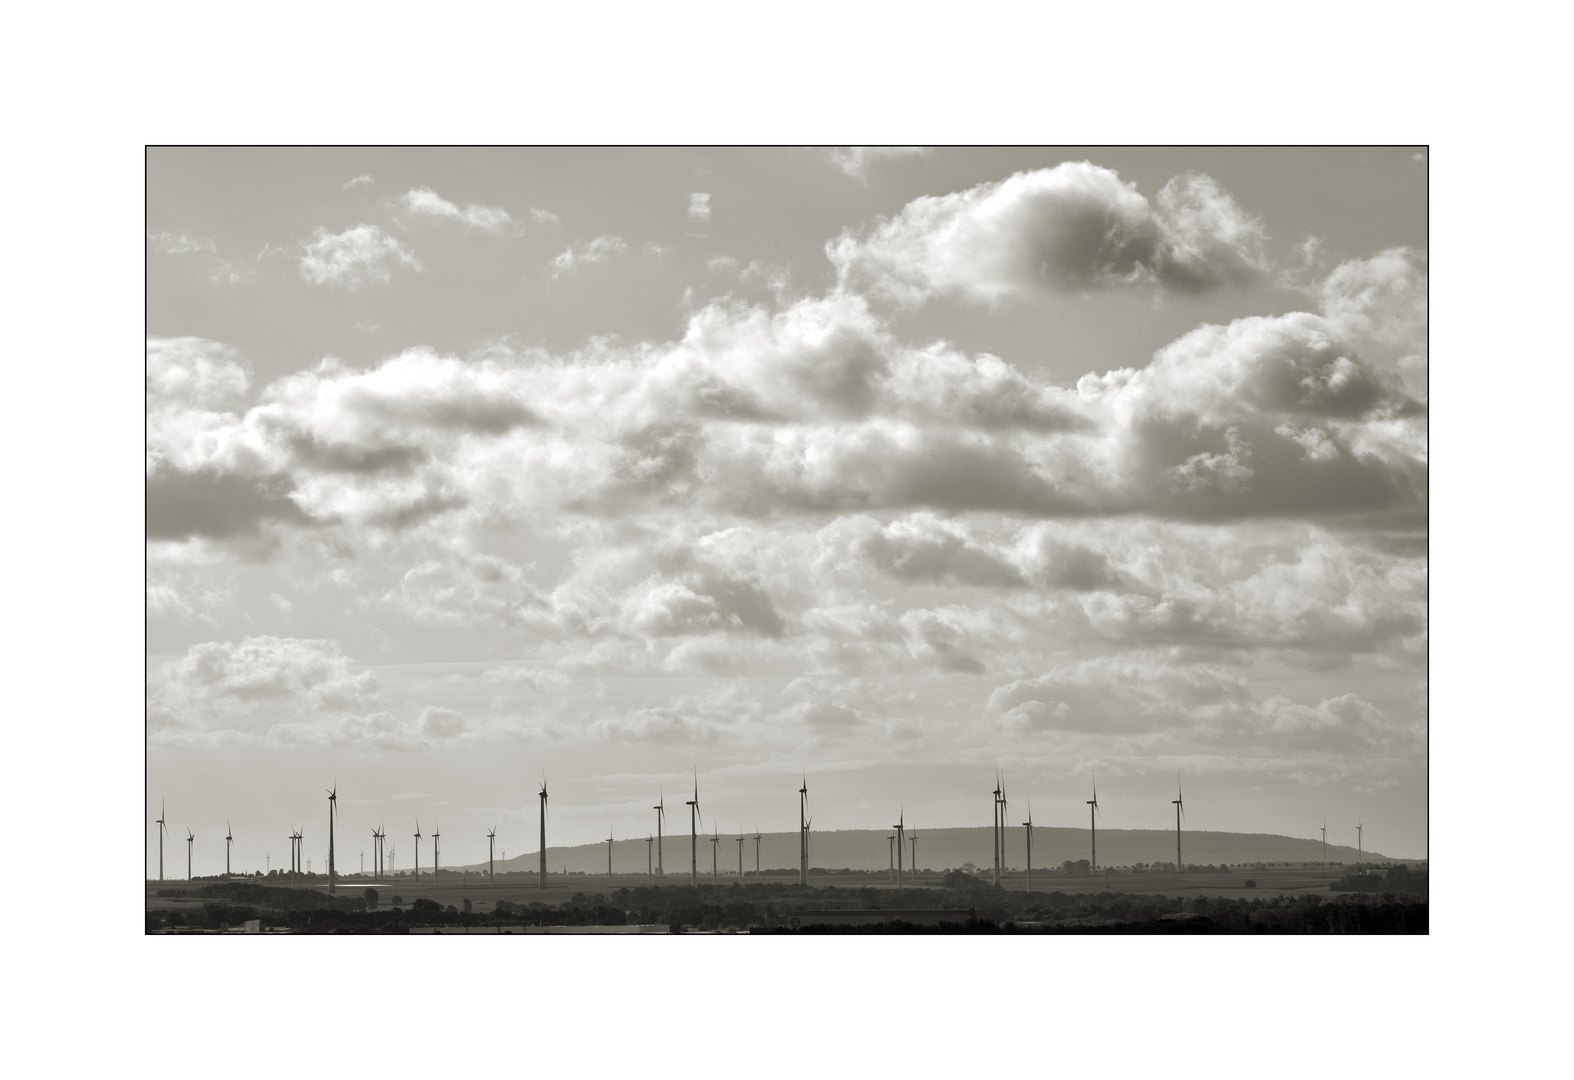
1075 226
1193 707
575 256
854 161
249 684
359 256
426 202
364 178
699 206
180 243
1379 305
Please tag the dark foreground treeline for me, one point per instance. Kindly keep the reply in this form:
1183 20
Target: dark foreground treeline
766 906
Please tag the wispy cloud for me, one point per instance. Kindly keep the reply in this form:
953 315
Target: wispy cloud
699 206
359 256
425 202
598 250
854 161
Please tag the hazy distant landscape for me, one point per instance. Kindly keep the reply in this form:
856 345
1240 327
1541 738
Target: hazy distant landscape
866 849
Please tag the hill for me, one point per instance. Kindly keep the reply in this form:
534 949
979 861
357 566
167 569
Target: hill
939 849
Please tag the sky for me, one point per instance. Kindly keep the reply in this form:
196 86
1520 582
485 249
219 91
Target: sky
889 467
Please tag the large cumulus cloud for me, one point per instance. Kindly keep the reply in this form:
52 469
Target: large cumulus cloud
1075 226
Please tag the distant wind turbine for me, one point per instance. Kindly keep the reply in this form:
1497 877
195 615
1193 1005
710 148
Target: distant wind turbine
333 807
756 851
228 840
1359 854
694 848
661 817
912 838
436 837
650 865
995 827
901 842
1093 832
1325 843
740 856
715 842
1028 824
890 851
543 797
417 849
189 839
162 829
491 867
609 852
803 832
1180 809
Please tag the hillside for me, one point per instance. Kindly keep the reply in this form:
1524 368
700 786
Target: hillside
939 849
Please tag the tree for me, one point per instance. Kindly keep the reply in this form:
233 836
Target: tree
371 897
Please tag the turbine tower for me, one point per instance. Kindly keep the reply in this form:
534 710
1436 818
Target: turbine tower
1325 843
901 842
803 832
436 836
162 829
756 851
694 848
995 829
650 864
417 849
491 867
228 840
1028 824
1359 855
661 816
912 838
333 807
890 851
740 856
1005 808
543 797
609 851
715 842
189 839
1093 832
1180 808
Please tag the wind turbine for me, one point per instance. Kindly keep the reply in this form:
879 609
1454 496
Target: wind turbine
417 849
661 816
228 839
491 867
333 807
392 851
740 856
1005 808
1325 843
609 852
268 863
694 813
1093 832
756 851
162 829
803 832
1180 809
363 860
912 838
1358 853
890 851
901 842
995 827
1029 826
650 866
543 798
436 836
189 839
715 842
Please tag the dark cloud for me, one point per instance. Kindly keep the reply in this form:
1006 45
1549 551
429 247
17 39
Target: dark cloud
208 503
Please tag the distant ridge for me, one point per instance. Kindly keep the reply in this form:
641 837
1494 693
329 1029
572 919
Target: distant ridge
939 849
